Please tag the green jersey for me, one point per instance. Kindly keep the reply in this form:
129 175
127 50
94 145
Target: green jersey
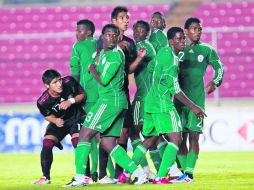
165 82
158 39
192 70
111 68
143 73
84 54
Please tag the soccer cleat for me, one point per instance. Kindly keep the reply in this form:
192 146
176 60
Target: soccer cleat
106 180
150 175
123 178
42 180
87 180
161 181
59 145
74 183
94 176
182 179
140 180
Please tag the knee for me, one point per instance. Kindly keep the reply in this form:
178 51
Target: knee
48 143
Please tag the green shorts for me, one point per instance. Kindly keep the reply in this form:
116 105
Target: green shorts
190 121
106 119
88 106
156 124
138 112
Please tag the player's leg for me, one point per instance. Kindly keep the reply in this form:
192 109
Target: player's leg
169 124
94 158
123 140
118 153
52 136
182 153
195 128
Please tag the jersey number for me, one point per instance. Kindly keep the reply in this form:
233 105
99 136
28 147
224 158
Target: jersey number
89 116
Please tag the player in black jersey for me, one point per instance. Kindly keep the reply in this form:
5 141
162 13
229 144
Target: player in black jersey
61 106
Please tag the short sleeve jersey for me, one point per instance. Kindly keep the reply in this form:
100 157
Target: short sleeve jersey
84 54
192 70
158 39
143 73
49 105
111 69
165 82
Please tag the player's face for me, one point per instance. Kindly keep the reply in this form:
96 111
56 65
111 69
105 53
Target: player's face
194 32
157 22
139 33
110 39
178 42
122 21
55 86
82 32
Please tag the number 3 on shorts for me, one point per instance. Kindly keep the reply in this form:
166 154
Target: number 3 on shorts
89 116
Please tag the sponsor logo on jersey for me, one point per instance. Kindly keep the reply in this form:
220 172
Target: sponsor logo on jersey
191 51
200 58
98 126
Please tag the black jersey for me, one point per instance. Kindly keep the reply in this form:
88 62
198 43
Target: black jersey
130 56
49 105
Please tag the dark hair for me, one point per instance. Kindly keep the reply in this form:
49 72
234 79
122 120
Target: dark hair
172 32
112 26
159 14
49 75
191 20
89 24
142 24
118 10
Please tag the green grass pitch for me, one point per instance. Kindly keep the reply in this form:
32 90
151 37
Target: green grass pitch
215 171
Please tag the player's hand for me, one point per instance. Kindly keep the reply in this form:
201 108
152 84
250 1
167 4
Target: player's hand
124 45
59 122
210 87
91 67
198 111
141 52
65 104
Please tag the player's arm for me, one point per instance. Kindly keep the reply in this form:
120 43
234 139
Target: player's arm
75 63
141 53
218 67
53 119
111 67
175 90
79 95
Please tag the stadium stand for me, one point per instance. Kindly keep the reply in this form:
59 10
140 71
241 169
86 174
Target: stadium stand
234 43
36 38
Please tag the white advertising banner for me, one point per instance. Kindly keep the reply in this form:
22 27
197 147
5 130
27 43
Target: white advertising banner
228 130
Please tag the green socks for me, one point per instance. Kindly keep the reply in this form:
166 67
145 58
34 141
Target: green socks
182 161
168 159
139 154
94 155
156 158
122 159
81 155
191 162
135 143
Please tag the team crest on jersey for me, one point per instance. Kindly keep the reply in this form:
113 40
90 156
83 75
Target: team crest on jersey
103 60
200 58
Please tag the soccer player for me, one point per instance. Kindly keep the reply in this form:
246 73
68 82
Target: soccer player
120 17
61 106
83 54
161 117
107 115
158 38
143 79
197 56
